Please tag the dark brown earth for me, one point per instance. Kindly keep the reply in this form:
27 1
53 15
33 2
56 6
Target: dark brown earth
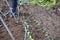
50 19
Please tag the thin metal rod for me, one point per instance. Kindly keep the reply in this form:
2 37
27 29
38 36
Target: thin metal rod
7 28
25 35
7 3
0 26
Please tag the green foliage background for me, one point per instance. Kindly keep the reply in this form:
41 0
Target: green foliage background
47 3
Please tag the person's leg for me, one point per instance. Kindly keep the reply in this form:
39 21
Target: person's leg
14 5
13 8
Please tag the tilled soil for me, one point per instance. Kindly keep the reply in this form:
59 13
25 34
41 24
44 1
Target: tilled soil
16 29
50 19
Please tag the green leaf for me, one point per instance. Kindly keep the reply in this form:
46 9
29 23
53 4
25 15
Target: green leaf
30 37
21 2
38 24
46 34
28 33
25 23
27 26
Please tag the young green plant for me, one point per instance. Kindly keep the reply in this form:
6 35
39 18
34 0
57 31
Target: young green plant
28 32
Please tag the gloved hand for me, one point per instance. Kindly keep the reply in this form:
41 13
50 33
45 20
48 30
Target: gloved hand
13 8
